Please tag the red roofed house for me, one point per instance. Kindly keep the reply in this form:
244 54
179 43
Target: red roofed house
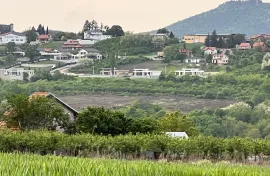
210 50
260 45
43 38
244 46
186 52
72 45
220 59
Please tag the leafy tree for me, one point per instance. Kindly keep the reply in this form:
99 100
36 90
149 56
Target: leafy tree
31 52
209 58
177 122
207 41
163 31
101 121
143 125
47 31
180 56
10 47
115 31
35 113
31 35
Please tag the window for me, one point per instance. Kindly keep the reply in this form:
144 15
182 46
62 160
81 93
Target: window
12 40
21 40
17 39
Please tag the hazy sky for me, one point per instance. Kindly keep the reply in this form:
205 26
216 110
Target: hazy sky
70 15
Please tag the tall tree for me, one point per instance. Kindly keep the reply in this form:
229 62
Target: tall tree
47 31
42 30
220 43
171 35
207 41
39 30
31 52
85 26
213 39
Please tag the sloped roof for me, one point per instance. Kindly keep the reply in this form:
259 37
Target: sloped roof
210 48
43 36
244 45
257 44
14 33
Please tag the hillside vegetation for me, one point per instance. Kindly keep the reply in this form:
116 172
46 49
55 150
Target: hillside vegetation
230 17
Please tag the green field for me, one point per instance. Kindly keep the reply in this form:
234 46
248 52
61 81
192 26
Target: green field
26 165
54 44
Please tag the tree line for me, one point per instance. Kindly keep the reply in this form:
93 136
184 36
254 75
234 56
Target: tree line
230 41
135 146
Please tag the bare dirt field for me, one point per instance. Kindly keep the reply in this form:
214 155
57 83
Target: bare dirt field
182 103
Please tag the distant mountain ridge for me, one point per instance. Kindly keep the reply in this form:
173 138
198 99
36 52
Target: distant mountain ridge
231 17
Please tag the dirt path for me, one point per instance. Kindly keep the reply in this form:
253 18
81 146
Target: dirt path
182 103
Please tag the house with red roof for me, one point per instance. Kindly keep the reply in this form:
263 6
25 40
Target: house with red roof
220 59
72 45
244 46
260 45
210 51
43 38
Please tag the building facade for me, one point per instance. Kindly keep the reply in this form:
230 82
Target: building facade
17 38
220 59
13 74
189 72
95 36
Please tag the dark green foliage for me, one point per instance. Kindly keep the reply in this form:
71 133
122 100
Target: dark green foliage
115 31
64 35
101 121
10 48
163 31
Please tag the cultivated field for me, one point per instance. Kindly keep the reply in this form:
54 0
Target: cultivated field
26 165
182 103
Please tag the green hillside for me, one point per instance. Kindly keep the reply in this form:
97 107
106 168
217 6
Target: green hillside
230 17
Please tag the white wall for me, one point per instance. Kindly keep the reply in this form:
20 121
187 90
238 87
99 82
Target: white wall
14 38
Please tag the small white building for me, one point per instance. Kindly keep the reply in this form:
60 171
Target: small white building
117 73
210 51
146 73
13 74
192 60
95 36
17 38
189 72
220 59
177 134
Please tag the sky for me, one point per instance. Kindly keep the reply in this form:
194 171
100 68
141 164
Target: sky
70 15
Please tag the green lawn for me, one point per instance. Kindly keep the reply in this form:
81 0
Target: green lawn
54 44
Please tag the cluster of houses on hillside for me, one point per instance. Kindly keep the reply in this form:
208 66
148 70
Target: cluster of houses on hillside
7 34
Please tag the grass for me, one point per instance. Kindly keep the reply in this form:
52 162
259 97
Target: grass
26 165
54 44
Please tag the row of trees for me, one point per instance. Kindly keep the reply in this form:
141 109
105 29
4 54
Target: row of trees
115 30
230 41
136 146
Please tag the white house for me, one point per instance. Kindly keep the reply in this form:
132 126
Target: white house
95 36
220 59
15 74
192 60
210 51
17 38
117 73
177 134
190 72
146 73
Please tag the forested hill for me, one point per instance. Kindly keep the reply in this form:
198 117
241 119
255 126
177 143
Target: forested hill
230 17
